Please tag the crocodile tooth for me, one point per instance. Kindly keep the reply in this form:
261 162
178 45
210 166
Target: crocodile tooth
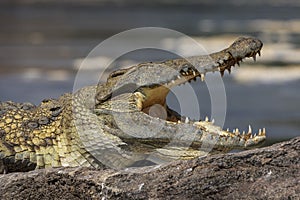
202 77
213 121
222 72
251 136
249 129
194 73
227 129
179 77
187 120
229 70
237 130
173 81
254 135
264 131
243 133
259 131
233 130
178 121
206 119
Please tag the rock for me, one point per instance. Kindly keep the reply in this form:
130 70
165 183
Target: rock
267 173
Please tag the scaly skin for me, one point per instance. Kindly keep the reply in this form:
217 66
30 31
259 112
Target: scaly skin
113 125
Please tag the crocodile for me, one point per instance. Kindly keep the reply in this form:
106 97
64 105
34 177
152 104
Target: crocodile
124 121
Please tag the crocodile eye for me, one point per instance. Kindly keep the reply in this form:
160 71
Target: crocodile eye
118 73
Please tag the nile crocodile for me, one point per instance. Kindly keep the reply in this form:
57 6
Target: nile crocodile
123 122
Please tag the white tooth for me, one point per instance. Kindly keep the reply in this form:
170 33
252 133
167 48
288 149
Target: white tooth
206 119
233 130
237 130
194 73
227 129
259 131
179 77
243 133
202 77
178 121
264 130
173 81
187 120
254 135
251 136
213 121
249 129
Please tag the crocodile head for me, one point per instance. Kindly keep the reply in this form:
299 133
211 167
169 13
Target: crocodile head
146 86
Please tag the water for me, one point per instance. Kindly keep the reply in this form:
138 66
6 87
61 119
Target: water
40 44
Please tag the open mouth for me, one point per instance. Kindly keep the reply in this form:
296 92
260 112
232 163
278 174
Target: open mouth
153 81
152 98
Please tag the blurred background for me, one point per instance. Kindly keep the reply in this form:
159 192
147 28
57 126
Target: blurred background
42 43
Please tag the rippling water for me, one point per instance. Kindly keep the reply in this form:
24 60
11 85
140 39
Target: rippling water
41 45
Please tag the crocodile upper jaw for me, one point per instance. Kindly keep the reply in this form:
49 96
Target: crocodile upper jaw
156 94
